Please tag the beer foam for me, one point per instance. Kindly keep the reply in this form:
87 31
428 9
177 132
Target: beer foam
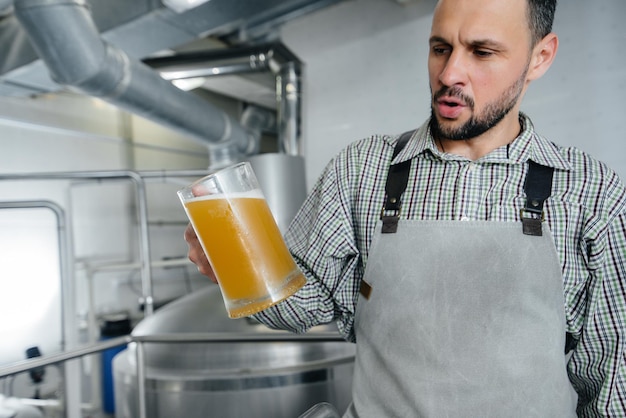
251 194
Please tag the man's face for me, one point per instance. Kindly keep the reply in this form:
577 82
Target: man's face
478 61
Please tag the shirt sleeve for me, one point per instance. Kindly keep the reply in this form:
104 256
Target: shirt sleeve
597 368
321 240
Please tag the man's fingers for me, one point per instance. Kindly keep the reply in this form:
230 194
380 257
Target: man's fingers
196 254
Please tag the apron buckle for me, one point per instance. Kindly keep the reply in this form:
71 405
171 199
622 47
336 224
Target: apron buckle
531 222
390 220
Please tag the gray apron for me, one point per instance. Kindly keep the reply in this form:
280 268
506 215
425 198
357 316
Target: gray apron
462 318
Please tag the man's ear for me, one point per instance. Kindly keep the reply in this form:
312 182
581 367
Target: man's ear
543 56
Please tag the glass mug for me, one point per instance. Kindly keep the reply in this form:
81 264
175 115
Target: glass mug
241 240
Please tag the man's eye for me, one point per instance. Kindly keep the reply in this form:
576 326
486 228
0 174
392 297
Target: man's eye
483 53
439 50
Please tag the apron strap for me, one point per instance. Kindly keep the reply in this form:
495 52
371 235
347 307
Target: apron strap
397 179
538 187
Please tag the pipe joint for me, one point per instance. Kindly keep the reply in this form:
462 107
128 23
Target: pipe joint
112 77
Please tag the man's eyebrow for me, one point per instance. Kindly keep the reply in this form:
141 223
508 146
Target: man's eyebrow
489 43
437 40
478 43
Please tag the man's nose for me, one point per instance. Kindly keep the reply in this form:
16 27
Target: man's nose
455 70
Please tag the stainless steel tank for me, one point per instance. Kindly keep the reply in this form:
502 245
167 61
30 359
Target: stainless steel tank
253 380
282 179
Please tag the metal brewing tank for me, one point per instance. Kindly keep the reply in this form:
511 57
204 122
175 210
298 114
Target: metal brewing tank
253 380
282 179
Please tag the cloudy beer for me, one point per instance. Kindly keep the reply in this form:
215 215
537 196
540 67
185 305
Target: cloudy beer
245 248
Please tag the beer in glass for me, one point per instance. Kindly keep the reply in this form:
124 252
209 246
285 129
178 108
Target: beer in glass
241 240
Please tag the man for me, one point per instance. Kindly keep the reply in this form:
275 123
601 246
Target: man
493 284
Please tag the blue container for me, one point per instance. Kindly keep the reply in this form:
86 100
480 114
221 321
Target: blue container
113 326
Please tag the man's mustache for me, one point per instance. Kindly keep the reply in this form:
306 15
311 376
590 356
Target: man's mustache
455 92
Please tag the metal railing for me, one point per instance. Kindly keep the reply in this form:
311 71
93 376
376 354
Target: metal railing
221 337
138 180
66 251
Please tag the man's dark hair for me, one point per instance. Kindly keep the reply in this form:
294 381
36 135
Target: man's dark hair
540 17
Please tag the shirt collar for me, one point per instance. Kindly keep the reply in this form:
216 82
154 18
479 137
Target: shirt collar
529 145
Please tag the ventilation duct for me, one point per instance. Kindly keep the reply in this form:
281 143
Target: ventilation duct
67 40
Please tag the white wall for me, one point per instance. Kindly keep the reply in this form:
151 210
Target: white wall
366 73
580 101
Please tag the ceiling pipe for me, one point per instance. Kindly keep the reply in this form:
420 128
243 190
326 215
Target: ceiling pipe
274 58
67 40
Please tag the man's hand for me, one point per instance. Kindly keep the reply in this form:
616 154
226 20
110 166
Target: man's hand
196 254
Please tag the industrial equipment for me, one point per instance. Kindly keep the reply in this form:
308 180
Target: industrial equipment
251 379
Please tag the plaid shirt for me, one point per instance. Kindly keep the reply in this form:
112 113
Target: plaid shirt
331 235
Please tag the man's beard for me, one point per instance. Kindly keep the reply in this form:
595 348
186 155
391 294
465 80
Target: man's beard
478 124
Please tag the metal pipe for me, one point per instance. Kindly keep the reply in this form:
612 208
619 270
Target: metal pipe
144 242
66 277
247 59
62 242
289 109
275 58
172 175
141 380
250 64
229 337
197 337
47 360
67 40
255 119
173 262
